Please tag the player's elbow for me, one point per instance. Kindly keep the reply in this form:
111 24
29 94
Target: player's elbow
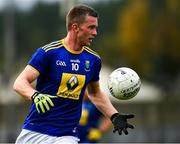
15 86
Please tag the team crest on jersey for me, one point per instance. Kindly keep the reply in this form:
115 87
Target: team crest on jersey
71 86
87 65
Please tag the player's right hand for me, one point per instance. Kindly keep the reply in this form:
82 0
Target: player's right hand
42 102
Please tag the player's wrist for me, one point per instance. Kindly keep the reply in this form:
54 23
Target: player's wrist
114 116
34 95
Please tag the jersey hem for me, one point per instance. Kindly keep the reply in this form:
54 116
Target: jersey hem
31 128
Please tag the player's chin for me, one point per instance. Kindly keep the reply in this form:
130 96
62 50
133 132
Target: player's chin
87 44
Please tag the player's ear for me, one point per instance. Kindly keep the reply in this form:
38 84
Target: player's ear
75 27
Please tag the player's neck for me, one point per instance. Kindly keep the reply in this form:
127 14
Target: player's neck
72 42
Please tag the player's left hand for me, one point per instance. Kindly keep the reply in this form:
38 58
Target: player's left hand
120 122
94 134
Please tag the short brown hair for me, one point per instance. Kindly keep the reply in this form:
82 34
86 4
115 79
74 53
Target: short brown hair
78 13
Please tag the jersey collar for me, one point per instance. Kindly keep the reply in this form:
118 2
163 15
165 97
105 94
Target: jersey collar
70 50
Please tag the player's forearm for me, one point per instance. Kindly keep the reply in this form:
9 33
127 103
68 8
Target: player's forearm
23 88
102 102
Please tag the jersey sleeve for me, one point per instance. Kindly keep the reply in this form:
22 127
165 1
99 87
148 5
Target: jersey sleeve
97 68
39 60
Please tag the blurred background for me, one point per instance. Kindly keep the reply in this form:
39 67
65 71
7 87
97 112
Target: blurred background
141 34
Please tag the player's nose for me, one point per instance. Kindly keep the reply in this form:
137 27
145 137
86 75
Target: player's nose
94 32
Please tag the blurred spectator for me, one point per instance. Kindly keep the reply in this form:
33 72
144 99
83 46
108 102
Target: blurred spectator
92 124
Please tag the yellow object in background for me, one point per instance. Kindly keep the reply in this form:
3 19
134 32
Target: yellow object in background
94 134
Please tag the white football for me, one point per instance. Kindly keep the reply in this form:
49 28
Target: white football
124 83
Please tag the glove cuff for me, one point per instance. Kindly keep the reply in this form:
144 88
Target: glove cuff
114 116
34 95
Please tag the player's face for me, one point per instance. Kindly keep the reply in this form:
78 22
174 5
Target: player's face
87 31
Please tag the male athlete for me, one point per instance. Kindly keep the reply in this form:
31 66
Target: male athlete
63 70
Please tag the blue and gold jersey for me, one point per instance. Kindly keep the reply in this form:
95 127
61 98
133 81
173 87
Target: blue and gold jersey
90 118
64 73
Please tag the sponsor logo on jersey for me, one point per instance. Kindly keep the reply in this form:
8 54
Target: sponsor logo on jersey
60 63
72 83
75 60
71 86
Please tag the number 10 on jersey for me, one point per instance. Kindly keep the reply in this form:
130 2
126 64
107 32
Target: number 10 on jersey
75 67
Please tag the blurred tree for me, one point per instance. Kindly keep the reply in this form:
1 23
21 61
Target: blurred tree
134 33
1 42
166 32
106 42
37 28
9 41
150 42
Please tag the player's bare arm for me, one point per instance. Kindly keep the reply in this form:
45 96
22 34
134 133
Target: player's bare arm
103 103
100 99
22 84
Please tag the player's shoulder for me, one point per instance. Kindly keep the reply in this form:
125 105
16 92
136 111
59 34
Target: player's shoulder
91 52
52 45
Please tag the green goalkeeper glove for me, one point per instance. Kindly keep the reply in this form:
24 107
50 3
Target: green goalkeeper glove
120 122
42 101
